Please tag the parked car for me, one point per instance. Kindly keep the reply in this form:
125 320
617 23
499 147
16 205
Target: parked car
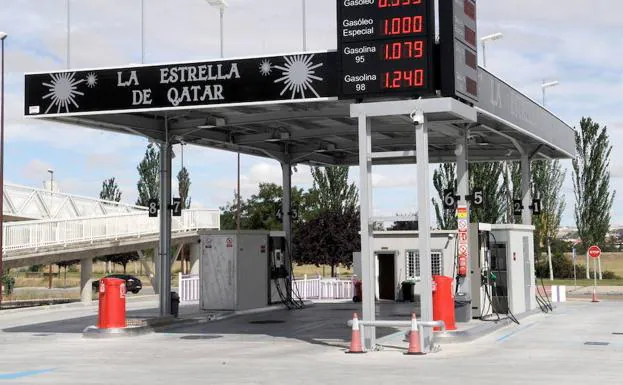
132 284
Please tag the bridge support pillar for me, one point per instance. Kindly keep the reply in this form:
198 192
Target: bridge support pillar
195 252
86 270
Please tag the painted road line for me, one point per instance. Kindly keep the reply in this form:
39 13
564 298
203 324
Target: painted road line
26 373
514 332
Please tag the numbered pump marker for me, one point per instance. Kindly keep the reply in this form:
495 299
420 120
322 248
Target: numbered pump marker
152 207
450 199
176 207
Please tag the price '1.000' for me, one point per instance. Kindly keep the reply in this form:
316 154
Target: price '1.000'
403 79
402 25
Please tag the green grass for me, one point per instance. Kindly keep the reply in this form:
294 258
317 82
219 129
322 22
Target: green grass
581 282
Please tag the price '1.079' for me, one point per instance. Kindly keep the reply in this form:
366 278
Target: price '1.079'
404 50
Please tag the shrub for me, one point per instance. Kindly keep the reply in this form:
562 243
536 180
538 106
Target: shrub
9 284
609 275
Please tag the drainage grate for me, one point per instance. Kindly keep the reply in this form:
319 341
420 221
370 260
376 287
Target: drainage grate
266 322
42 334
617 334
194 337
596 343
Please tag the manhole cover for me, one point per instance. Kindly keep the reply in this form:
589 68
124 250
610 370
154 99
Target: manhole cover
597 343
199 337
266 322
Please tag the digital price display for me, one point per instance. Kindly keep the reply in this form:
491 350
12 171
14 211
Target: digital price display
459 49
385 47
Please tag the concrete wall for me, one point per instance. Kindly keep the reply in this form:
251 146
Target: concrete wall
399 243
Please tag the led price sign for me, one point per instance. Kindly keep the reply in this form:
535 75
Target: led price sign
385 47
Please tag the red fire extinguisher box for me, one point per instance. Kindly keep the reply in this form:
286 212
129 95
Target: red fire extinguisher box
111 303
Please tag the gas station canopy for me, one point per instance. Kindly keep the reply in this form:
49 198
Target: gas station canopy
284 107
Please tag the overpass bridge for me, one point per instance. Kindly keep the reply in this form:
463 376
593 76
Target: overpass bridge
30 203
46 227
47 241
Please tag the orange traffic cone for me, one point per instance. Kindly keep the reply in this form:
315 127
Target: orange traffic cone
355 341
414 338
594 295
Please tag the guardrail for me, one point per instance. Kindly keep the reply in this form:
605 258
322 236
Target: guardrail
397 323
40 233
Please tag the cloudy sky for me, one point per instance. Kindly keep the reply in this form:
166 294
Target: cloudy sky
560 40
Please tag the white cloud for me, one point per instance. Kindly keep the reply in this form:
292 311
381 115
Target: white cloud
36 169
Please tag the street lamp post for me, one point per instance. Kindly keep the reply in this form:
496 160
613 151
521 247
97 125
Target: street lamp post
546 85
50 210
222 4
483 40
304 25
3 36
68 33
142 31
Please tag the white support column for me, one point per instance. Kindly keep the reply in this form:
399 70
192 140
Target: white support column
526 197
423 180
86 270
195 253
152 278
367 255
286 209
156 274
462 187
164 257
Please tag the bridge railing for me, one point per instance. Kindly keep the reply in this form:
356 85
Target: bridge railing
40 233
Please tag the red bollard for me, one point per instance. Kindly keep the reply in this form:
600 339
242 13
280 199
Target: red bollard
443 302
111 303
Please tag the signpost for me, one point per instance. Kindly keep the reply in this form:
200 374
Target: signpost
575 281
461 217
594 252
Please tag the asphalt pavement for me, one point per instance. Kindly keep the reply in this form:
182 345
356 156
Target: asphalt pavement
579 343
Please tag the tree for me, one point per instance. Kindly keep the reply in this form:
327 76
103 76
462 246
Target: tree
511 175
444 178
259 211
123 259
548 178
591 182
328 239
331 190
183 184
488 177
149 176
110 190
66 264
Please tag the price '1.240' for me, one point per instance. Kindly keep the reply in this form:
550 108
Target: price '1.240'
403 79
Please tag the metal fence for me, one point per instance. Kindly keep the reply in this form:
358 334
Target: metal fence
306 288
323 288
188 287
62 232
